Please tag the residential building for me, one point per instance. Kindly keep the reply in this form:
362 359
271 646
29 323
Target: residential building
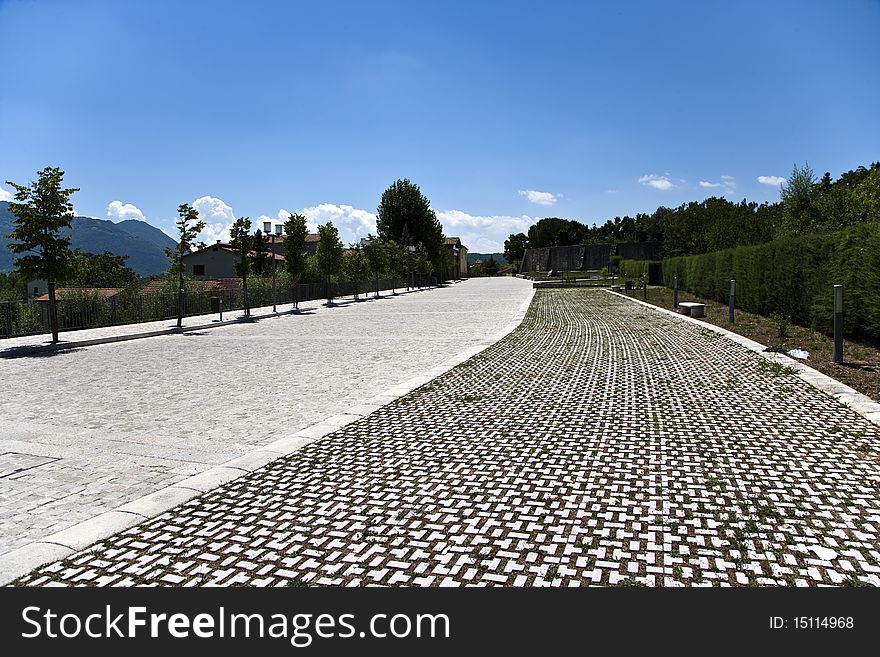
456 253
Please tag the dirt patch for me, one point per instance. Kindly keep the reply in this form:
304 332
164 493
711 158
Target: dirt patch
861 362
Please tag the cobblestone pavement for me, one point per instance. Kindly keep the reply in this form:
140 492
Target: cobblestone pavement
87 430
600 443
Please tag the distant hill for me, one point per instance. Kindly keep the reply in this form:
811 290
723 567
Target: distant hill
473 257
142 243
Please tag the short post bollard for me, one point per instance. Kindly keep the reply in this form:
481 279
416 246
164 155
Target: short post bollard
837 356
732 300
675 294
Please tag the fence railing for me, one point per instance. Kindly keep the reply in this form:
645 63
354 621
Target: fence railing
19 318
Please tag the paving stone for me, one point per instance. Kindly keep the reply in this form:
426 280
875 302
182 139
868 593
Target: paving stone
600 443
108 424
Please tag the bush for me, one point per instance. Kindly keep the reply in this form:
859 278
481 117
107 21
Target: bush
637 269
793 277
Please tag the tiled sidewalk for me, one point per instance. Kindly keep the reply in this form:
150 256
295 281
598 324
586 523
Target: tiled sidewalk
599 443
85 431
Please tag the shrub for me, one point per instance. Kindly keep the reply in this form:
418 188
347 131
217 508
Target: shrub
793 278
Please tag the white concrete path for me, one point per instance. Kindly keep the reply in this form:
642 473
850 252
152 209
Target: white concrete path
85 431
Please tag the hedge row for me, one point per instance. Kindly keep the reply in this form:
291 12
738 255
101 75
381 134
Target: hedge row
635 269
794 276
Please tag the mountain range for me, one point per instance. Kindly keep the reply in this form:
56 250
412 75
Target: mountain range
484 257
142 244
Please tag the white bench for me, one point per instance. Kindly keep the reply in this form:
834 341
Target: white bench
692 309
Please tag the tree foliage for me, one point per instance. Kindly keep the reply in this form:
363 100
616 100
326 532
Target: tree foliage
515 248
242 241
405 217
716 223
329 254
188 228
262 260
100 270
295 232
355 265
377 259
42 210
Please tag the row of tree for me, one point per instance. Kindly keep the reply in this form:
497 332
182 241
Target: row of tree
806 205
410 241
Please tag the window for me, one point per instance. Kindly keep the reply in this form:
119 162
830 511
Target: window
198 270
36 291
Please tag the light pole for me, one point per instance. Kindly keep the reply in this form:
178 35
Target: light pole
274 275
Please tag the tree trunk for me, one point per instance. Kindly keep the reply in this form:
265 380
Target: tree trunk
53 312
329 298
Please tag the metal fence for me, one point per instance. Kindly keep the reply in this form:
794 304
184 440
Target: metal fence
18 318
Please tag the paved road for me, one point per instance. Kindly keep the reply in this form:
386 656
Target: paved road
601 442
84 431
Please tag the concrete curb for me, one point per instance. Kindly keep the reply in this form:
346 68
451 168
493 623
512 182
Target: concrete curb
852 399
68 541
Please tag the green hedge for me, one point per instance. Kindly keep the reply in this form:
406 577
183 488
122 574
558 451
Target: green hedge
635 269
794 276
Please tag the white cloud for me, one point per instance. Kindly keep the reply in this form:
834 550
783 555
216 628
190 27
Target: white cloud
657 182
539 198
119 211
218 218
352 223
5 194
727 185
483 234
774 181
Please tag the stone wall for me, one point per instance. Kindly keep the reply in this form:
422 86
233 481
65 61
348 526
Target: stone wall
587 256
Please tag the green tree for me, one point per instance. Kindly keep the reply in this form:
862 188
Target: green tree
491 266
295 231
356 266
188 228
798 194
424 265
377 259
101 270
515 248
242 241
329 255
42 209
552 231
477 269
397 265
405 216
262 264
13 286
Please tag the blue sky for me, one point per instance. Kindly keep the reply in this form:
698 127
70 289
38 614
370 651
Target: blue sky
503 112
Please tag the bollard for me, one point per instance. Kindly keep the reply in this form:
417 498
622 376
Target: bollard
732 300
645 290
837 355
675 294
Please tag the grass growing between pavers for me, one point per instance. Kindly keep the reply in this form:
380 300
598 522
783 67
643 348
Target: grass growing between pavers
860 369
600 443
